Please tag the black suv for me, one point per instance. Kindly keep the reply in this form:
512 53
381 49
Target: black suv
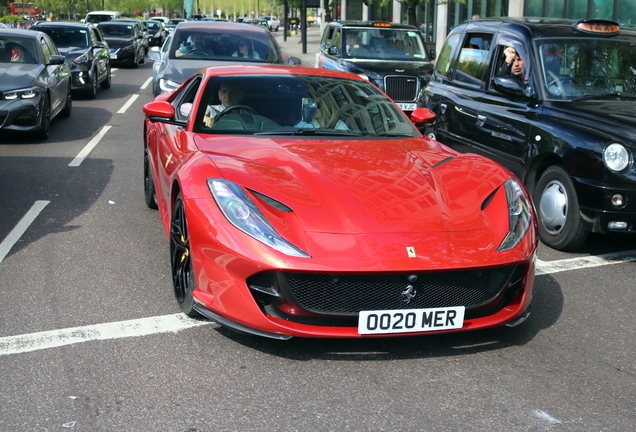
565 123
391 56
86 54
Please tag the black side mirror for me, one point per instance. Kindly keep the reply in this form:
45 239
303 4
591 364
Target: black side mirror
294 61
511 86
333 50
57 60
432 54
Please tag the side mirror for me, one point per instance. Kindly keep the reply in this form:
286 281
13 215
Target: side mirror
294 61
154 54
432 54
423 117
162 112
101 45
57 60
333 50
511 86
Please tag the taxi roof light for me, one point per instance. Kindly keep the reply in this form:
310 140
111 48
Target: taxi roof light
381 24
597 27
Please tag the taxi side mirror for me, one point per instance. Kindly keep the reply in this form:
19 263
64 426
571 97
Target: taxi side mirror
333 50
511 86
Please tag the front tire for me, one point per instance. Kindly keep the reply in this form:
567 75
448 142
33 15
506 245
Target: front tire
45 120
181 260
68 107
92 92
560 223
106 83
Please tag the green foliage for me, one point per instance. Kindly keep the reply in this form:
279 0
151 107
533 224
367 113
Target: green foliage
10 19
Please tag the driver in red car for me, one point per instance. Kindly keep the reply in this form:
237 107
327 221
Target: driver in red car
230 94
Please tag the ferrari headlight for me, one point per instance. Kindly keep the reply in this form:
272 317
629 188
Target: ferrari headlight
167 85
239 209
616 157
518 215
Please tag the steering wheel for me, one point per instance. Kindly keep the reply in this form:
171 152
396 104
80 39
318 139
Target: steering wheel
199 52
228 110
558 81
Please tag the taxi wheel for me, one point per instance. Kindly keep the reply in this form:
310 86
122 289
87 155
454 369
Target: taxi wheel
106 83
150 194
560 223
430 133
181 260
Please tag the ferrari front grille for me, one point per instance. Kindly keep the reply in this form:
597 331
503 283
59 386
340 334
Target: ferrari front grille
402 88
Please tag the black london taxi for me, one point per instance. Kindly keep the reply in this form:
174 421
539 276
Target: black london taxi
559 112
391 56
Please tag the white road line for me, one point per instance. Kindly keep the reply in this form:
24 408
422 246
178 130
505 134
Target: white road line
114 69
20 228
146 84
133 328
89 147
127 105
545 416
550 267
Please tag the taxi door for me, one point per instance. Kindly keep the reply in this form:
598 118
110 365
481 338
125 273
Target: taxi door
504 121
459 105
328 55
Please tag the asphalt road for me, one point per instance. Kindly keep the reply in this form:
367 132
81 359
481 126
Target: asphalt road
91 338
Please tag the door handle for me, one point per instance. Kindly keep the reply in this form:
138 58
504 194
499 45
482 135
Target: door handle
481 120
443 106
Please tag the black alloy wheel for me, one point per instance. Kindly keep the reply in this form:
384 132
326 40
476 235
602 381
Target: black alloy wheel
92 92
560 223
45 119
105 84
150 194
181 260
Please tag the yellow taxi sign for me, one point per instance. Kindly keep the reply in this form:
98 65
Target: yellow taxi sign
597 27
381 24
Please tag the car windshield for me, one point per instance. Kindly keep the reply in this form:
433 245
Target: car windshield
65 37
582 67
224 45
384 44
17 50
96 18
152 25
116 30
308 106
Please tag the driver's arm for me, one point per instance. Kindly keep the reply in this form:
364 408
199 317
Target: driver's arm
210 116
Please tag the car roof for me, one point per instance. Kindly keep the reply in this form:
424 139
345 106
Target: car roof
538 26
62 24
102 13
18 32
255 69
113 22
372 24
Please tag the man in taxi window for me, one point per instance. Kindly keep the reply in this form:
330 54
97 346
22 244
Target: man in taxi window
512 66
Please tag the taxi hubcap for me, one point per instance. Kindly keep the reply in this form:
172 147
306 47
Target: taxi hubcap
554 208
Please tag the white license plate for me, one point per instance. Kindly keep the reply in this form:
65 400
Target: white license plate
113 56
410 320
407 107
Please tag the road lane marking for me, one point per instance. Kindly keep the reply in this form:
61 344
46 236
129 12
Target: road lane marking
127 105
545 416
146 84
115 330
89 147
550 267
21 228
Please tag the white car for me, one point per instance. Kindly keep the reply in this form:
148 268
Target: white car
272 22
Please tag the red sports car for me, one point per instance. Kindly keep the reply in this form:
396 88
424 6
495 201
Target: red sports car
303 202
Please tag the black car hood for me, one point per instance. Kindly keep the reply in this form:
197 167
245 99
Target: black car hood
615 117
71 53
16 76
119 42
392 67
181 70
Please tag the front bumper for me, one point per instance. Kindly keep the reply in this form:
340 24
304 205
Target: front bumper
21 114
123 56
595 201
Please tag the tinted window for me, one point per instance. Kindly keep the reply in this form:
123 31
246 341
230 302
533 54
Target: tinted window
116 30
17 50
472 62
386 44
65 37
445 57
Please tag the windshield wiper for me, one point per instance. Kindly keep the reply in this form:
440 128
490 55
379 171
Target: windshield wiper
314 132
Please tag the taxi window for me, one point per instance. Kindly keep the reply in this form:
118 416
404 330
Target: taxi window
447 54
327 37
472 61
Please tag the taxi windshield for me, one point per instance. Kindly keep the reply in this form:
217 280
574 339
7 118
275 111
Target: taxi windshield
384 44
580 68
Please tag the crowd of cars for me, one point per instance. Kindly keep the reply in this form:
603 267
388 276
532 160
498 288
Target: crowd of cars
306 201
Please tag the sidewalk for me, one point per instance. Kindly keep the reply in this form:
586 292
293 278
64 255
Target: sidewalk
293 46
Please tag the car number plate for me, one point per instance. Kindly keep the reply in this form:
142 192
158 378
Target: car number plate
410 320
407 106
113 56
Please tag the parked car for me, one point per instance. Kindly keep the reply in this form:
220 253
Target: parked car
220 46
141 28
391 56
156 33
36 82
124 41
96 17
327 214
86 53
164 20
272 22
565 125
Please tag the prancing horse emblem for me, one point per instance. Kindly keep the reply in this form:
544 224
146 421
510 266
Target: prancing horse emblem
408 294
